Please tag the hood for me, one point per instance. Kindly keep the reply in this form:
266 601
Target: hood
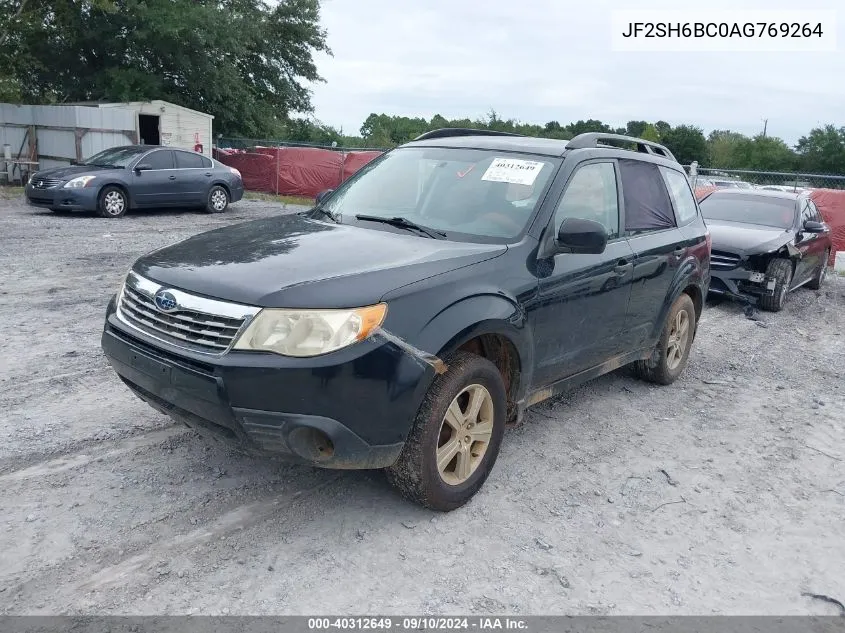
747 239
66 173
294 262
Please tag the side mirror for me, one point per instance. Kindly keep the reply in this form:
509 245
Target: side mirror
811 226
143 167
581 236
323 195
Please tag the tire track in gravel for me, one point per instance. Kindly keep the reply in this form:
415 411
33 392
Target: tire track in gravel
77 459
239 518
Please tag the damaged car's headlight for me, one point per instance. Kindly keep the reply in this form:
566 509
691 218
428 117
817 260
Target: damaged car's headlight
309 332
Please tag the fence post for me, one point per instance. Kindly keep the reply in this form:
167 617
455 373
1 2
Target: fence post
277 152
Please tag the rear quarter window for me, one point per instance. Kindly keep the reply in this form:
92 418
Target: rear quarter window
681 195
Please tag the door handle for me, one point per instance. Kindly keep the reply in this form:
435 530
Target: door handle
173 178
679 251
208 173
622 267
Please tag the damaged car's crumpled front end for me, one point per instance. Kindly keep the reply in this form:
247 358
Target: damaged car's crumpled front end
742 275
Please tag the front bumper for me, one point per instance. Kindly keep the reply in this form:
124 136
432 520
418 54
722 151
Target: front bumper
61 199
351 409
740 283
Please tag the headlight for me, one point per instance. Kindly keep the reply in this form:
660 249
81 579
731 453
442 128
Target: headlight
78 183
309 332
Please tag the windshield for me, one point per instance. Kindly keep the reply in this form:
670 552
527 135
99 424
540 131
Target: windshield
464 193
750 209
115 157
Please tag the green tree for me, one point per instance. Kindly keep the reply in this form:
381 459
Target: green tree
767 153
590 125
823 150
636 128
244 61
650 133
662 128
687 143
727 149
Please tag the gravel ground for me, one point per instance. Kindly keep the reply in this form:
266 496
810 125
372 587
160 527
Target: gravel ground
724 493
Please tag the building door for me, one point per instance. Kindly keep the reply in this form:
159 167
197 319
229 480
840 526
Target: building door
148 129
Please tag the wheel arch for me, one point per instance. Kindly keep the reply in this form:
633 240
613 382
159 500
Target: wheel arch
489 326
120 185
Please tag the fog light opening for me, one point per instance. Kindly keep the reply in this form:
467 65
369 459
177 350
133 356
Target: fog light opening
311 444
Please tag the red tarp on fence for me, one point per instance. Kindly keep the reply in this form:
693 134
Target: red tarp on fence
831 204
294 171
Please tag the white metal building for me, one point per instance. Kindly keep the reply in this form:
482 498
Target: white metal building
163 123
34 137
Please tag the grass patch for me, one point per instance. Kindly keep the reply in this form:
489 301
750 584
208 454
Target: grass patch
271 197
11 192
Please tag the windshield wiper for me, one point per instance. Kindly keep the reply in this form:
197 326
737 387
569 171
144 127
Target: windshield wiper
325 212
403 223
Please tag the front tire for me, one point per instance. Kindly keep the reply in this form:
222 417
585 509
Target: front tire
672 352
218 200
112 202
779 270
456 435
818 279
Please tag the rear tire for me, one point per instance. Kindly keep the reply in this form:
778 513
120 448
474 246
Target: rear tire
671 354
218 200
779 270
456 435
818 278
112 202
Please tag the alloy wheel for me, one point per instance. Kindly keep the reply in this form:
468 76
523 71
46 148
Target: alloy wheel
678 338
465 434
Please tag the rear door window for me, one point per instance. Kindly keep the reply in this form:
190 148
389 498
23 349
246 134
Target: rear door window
161 159
186 160
647 203
681 195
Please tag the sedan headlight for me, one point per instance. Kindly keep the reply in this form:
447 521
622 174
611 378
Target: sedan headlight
79 182
309 332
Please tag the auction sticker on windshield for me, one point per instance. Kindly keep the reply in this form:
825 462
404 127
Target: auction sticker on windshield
513 171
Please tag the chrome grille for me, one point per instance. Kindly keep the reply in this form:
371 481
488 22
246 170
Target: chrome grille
723 260
195 324
44 183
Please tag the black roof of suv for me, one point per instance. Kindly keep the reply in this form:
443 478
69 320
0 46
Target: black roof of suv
435 295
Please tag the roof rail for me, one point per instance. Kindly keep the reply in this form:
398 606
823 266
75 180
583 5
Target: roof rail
594 139
460 131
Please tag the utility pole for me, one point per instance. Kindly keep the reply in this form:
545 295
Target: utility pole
765 125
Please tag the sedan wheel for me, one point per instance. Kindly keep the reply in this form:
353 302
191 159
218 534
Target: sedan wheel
112 203
218 200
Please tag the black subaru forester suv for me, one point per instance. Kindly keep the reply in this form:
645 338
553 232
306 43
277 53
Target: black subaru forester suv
426 303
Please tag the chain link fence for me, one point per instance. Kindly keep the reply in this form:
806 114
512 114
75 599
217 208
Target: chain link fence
771 180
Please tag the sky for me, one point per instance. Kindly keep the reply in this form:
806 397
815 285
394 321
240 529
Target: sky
542 60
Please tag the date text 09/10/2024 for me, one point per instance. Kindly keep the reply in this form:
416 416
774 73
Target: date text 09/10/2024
418 623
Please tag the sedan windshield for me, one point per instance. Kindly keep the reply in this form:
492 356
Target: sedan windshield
469 194
115 157
750 209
